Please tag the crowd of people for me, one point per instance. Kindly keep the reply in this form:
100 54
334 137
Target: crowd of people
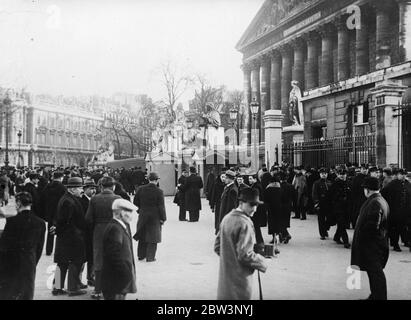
86 216
335 195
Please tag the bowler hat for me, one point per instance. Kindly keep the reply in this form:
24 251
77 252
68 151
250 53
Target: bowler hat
341 171
193 170
250 196
371 183
230 174
402 171
89 183
74 182
33 175
153 176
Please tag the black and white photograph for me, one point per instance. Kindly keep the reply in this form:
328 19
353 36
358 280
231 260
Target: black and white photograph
217 151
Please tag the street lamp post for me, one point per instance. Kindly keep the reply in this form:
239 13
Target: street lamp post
7 103
19 134
233 118
254 106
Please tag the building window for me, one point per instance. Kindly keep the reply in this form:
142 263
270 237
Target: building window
361 114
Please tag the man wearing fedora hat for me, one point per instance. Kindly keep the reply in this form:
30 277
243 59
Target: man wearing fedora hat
149 199
229 198
370 248
70 243
234 244
99 214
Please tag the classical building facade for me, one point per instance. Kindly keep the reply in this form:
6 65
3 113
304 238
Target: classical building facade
350 59
52 132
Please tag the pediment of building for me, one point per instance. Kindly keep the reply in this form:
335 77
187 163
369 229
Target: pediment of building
271 14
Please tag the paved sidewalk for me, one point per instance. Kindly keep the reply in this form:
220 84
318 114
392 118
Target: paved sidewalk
187 267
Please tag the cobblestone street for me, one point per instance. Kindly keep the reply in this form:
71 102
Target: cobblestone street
187 267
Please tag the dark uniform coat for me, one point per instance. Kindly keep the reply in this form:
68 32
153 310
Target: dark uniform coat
99 214
21 245
179 198
192 188
358 197
340 200
320 195
151 209
118 275
229 200
398 195
370 241
84 200
70 231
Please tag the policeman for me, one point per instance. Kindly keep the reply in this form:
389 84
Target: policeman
340 199
321 204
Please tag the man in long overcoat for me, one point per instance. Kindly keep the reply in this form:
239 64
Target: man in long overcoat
370 248
89 192
358 197
321 202
234 244
192 188
340 200
152 214
118 277
50 198
287 198
32 188
70 243
216 199
180 196
229 198
21 245
99 214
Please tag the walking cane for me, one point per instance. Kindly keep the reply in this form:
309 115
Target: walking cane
259 285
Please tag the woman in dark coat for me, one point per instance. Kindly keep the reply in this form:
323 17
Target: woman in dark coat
192 188
272 196
287 196
216 199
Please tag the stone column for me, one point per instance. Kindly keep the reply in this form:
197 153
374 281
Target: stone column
275 83
247 99
286 70
327 33
343 72
361 45
405 29
265 91
312 39
383 35
255 86
387 95
298 69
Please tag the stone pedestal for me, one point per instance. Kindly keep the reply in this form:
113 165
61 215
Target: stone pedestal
294 134
273 131
387 96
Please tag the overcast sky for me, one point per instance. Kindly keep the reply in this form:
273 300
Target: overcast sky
102 47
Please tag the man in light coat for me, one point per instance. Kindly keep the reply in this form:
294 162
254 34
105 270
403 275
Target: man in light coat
235 245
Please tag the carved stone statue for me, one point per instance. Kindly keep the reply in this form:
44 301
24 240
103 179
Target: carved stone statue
296 113
212 117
